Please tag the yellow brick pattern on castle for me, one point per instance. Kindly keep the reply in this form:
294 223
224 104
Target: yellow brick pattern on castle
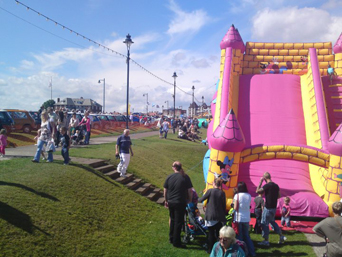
314 156
331 181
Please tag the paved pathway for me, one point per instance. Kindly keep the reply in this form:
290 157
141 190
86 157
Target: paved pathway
29 151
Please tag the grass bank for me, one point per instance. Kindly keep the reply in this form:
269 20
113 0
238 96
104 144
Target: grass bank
48 209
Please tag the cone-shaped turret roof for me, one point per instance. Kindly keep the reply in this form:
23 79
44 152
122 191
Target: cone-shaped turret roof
338 45
335 142
233 39
228 136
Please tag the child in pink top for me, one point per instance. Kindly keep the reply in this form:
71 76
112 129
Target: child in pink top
285 212
3 142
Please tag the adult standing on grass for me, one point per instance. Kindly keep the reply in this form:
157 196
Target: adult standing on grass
331 229
86 121
215 214
242 203
123 147
47 131
177 193
272 193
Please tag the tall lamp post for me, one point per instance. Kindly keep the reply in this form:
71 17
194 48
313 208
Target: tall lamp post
128 41
146 102
104 93
202 106
174 95
193 102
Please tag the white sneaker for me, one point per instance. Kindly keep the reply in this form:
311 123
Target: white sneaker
282 239
123 175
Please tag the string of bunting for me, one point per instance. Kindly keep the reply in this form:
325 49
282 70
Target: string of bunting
96 43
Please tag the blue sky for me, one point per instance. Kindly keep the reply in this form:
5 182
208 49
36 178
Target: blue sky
169 35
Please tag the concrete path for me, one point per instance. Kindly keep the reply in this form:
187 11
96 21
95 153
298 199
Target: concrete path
316 242
30 150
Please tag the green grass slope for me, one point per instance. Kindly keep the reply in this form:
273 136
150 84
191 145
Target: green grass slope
48 209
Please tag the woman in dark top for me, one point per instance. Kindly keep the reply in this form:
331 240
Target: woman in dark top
215 215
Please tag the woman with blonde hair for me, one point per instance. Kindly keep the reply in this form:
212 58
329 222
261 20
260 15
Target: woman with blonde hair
226 246
47 132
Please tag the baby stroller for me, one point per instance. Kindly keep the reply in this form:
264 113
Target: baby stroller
193 225
75 140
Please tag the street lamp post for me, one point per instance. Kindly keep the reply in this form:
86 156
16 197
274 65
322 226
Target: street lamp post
128 41
202 106
104 93
174 95
193 101
146 102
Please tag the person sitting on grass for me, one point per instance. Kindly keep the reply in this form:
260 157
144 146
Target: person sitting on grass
226 246
331 229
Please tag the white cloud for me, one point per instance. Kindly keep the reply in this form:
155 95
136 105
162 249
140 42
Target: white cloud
332 4
293 24
186 22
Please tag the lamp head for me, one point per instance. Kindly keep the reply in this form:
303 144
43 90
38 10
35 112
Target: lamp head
128 41
174 75
99 80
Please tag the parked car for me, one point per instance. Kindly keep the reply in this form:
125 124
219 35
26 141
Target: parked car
121 120
96 124
22 120
6 122
105 122
36 117
113 123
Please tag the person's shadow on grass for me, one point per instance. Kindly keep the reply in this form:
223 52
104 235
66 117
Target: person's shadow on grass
42 194
18 218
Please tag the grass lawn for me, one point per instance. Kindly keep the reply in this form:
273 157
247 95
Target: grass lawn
55 210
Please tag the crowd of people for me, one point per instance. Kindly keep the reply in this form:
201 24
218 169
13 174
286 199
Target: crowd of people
185 128
232 238
57 129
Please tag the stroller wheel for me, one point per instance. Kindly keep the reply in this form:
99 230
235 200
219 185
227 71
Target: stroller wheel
185 239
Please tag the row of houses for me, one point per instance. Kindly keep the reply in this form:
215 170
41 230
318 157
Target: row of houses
83 104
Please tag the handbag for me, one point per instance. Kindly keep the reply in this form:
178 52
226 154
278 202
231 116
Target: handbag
51 146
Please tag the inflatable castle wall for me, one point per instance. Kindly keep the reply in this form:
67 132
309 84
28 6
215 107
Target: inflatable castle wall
277 109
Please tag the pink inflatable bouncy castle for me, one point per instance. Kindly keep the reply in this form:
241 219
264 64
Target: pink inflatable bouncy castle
277 110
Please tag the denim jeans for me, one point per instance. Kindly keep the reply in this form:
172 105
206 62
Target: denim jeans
286 220
87 137
65 154
268 216
244 236
40 146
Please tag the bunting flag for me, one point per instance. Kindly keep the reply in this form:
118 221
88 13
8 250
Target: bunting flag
157 106
153 105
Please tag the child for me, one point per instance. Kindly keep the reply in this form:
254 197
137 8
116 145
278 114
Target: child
65 142
3 142
285 212
74 136
259 206
43 149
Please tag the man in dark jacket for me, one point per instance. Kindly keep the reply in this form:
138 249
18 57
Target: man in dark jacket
177 193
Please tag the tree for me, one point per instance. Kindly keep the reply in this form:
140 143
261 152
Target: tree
49 103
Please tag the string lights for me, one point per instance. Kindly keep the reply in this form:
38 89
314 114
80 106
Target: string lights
96 43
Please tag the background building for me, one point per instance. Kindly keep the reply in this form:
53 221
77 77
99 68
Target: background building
80 104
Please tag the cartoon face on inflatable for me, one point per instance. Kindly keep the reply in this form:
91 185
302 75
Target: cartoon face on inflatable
225 170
